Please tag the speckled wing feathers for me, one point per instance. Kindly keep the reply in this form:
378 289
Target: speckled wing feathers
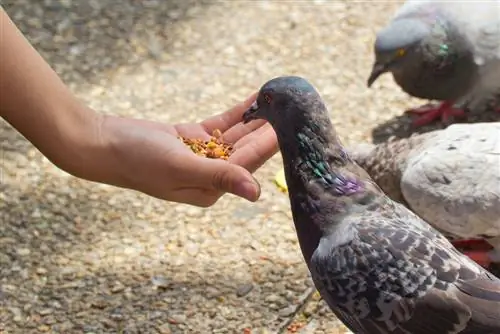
385 163
379 266
448 177
453 182
396 275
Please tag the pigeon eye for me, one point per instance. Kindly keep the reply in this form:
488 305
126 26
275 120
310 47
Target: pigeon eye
401 52
267 98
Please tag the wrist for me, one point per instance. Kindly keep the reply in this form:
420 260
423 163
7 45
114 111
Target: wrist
104 153
75 139
80 146
92 149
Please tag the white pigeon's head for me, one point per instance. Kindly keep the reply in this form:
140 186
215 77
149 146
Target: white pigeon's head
395 43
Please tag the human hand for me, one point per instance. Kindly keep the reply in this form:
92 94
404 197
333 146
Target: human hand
151 158
137 154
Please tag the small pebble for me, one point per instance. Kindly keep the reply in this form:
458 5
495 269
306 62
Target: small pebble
45 311
118 287
287 311
176 319
23 251
17 313
160 282
41 271
43 328
164 329
244 289
272 298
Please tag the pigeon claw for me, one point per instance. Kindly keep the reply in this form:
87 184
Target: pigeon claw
430 113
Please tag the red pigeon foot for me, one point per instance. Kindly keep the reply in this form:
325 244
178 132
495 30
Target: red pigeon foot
472 244
477 250
480 257
428 113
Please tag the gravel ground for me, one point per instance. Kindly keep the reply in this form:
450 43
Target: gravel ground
78 257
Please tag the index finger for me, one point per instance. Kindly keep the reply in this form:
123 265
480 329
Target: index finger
228 119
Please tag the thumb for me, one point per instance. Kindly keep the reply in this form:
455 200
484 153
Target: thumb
227 177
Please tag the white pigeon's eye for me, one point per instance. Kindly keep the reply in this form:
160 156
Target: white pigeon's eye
401 52
267 98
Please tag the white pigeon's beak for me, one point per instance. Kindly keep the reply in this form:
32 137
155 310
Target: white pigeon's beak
377 70
251 112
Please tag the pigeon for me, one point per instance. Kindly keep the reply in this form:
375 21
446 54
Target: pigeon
443 50
378 266
450 178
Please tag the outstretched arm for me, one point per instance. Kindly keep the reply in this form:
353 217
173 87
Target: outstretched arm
125 152
35 101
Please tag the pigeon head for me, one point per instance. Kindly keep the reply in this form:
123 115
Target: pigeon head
395 45
283 99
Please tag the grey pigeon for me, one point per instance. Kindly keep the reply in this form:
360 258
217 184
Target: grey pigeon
450 178
443 50
379 267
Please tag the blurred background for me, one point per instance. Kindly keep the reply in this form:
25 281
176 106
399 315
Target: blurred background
78 257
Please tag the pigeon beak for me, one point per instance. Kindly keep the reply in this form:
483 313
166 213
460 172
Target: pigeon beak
250 114
377 70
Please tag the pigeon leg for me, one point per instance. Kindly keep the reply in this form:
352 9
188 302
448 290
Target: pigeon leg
480 257
478 250
428 113
472 244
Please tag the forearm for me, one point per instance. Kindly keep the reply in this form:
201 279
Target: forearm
35 101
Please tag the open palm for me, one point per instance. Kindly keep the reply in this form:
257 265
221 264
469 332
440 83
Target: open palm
253 143
162 166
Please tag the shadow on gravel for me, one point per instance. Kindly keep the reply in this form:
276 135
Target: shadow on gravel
83 40
71 261
401 127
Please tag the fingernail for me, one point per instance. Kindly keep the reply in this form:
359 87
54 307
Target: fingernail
249 190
